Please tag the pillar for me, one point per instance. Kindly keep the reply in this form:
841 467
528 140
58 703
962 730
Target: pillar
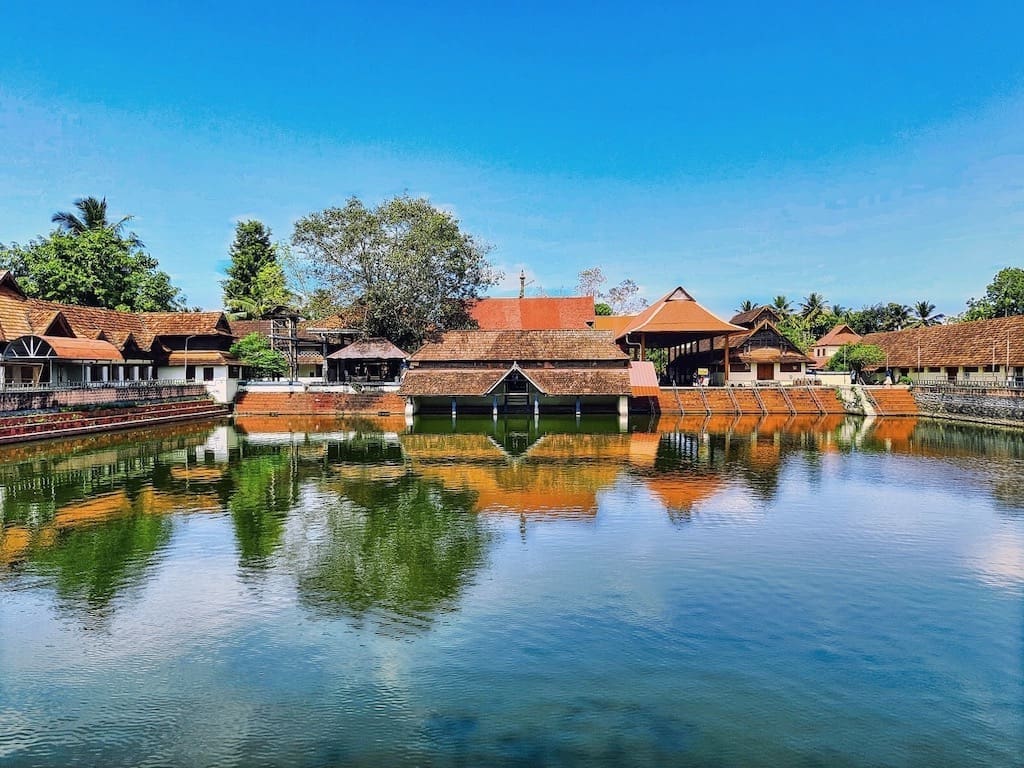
494 407
623 405
578 406
725 362
453 408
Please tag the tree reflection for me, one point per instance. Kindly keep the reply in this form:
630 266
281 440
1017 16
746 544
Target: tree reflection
263 489
407 547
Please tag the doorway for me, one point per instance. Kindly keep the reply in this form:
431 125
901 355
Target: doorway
765 371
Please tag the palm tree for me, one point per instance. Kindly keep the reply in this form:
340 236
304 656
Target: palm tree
93 216
896 316
813 306
783 305
840 312
924 315
745 306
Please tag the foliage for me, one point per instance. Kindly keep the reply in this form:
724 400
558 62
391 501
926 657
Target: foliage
263 491
783 305
93 216
856 357
408 263
625 299
590 282
813 307
1004 296
255 352
745 306
96 267
602 309
256 283
660 359
924 315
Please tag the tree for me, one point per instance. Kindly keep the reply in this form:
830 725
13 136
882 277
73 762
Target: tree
254 351
256 283
625 299
745 306
93 217
783 305
856 357
924 315
406 262
96 267
590 282
896 316
602 309
813 306
1004 296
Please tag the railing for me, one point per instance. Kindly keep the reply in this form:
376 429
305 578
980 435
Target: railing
1013 384
64 386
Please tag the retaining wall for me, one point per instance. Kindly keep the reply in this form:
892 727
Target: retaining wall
14 400
989 405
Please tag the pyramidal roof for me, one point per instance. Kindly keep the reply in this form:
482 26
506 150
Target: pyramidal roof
678 312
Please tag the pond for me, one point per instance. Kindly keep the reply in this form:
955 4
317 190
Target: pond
780 592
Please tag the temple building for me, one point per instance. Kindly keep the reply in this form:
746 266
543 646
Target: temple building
827 346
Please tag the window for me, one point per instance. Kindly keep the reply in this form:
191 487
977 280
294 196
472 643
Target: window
208 373
318 371
789 367
739 368
190 373
970 369
234 371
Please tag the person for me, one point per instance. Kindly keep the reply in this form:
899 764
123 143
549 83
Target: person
853 377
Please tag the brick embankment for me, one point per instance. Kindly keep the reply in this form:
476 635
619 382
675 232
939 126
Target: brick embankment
254 403
893 401
39 426
993 405
689 401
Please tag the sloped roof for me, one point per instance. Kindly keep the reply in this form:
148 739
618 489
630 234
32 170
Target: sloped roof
186 323
450 382
616 324
838 336
508 346
643 379
976 343
201 357
752 316
533 314
581 381
68 348
482 381
369 349
784 352
677 312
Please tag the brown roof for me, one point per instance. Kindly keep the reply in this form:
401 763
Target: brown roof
448 382
976 343
753 316
369 349
534 314
677 312
838 336
201 357
509 346
481 381
82 349
783 351
186 323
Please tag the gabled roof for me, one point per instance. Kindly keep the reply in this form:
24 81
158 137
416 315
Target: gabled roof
509 346
533 314
677 312
369 349
838 336
753 316
61 347
615 324
974 344
452 382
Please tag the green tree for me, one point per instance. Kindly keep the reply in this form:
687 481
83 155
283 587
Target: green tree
1004 296
408 263
602 309
745 306
256 283
924 314
813 306
93 216
856 357
95 267
783 305
254 351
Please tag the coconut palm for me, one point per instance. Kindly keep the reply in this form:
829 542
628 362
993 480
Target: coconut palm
924 314
896 316
783 305
840 312
93 216
813 306
745 306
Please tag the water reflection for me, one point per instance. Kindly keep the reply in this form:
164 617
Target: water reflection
378 515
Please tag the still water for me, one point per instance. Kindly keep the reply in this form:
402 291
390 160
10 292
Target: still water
776 593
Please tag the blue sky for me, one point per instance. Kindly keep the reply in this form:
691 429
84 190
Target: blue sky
742 150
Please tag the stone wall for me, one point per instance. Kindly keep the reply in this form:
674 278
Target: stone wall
21 400
994 405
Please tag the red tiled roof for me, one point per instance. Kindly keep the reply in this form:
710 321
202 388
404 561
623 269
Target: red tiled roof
481 381
838 336
509 346
974 344
450 382
534 314
753 316
643 379
201 357
677 312
82 349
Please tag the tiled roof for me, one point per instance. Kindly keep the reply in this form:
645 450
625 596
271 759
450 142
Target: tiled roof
369 349
201 357
450 382
838 336
581 381
508 346
753 316
616 324
186 323
643 379
976 343
783 351
677 312
82 349
533 314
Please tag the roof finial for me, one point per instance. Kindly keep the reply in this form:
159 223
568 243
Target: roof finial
522 283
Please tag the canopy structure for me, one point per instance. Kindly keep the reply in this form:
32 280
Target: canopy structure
40 348
676 322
